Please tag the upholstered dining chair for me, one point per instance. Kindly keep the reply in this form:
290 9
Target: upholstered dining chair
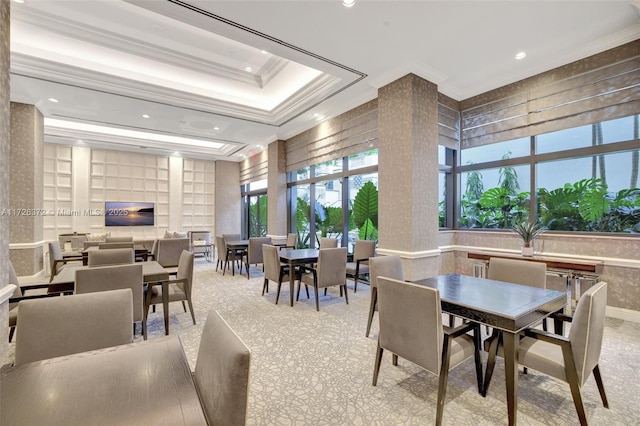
411 328
116 245
254 252
22 292
178 289
328 243
169 250
274 270
118 239
362 251
222 253
118 256
222 371
233 255
330 271
57 326
116 277
571 359
292 241
382 266
57 260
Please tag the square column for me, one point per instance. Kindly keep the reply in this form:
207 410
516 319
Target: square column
277 189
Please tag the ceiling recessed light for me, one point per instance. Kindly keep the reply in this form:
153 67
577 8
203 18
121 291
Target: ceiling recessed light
521 55
216 128
248 69
318 116
348 3
264 52
146 116
54 100
18 1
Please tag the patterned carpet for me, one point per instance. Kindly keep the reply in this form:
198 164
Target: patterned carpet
315 368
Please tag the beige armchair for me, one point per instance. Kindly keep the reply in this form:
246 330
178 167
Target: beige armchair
118 256
57 326
274 270
360 265
254 252
328 243
222 371
22 292
383 266
178 289
116 277
411 328
169 250
331 271
57 260
118 239
570 359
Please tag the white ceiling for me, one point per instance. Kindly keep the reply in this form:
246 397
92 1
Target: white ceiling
183 63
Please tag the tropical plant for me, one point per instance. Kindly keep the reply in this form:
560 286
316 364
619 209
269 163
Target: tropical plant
365 212
528 231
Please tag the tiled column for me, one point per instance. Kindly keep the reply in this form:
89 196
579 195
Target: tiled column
408 174
4 174
277 190
26 190
227 198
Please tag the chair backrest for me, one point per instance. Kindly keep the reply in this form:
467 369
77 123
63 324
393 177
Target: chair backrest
364 249
222 248
169 251
55 252
332 266
328 243
111 257
271 262
116 277
516 271
185 271
116 245
87 244
385 266
255 249
118 239
411 322
292 240
231 237
221 375
57 326
587 329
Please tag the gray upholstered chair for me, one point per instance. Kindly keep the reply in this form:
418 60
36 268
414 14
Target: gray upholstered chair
274 270
221 247
360 265
118 239
233 255
328 243
292 241
57 260
87 244
116 277
572 358
169 250
221 375
57 326
22 292
254 251
383 266
116 245
411 328
119 256
331 271
178 289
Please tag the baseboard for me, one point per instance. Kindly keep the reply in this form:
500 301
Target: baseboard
623 314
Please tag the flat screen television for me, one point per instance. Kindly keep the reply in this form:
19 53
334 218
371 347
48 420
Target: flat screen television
122 213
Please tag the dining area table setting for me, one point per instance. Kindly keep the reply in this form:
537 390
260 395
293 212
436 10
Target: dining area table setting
295 258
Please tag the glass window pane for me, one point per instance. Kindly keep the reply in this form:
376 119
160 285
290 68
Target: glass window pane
258 216
494 198
590 193
442 155
363 208
496 151
442 195
328 209
300 198
619 130
363 159
328 167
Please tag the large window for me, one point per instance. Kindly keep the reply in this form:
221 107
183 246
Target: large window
254 209
583 179
336 199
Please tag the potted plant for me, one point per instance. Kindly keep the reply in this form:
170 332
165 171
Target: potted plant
528 231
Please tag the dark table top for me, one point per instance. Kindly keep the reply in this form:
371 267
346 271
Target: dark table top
508 306
299 255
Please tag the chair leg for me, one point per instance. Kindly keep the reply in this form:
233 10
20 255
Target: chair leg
452 321
346 296
376 366
394 360
476 356
11 331
315 290
265 286
144 328
372 308
193 315
442 384
491 360
572 378
184 306
278 291
598 377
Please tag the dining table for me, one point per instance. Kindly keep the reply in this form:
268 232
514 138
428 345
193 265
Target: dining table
297 257
139 383
237 246
508 307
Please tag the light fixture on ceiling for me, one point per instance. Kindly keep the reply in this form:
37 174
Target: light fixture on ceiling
318 117
264 52
348 3
18 1
521 55
248 69
146 116
54 100
216 128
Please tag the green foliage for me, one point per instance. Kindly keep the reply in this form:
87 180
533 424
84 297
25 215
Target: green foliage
528 231
365 211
